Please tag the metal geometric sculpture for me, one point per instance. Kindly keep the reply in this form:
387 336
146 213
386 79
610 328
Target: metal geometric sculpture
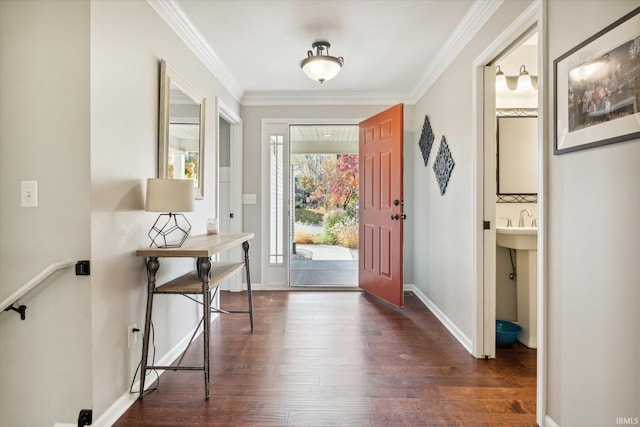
443 165
426 139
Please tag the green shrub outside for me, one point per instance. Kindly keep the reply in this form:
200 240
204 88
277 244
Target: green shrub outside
308 216
333 217
324 238
339 227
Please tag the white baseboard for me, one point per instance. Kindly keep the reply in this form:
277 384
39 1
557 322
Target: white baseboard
548 422
120 406
451 327
254 287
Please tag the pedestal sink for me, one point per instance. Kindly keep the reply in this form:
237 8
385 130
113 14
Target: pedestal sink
519 238
525 241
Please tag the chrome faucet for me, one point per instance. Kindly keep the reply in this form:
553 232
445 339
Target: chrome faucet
508 221
521 220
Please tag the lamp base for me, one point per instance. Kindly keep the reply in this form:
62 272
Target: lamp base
169 231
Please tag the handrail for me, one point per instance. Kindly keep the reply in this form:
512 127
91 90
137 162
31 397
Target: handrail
7 304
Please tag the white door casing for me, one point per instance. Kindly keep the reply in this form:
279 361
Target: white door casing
230 188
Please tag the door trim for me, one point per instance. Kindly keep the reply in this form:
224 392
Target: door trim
533 15
236 151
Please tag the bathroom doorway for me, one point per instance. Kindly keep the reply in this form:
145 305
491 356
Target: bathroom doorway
509 180
516 190
494 300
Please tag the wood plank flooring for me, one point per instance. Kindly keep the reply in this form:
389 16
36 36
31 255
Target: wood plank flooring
320 358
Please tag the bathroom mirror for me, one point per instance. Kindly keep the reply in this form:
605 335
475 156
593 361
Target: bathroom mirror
181 130
517 146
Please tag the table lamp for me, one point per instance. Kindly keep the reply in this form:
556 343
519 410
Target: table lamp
169 196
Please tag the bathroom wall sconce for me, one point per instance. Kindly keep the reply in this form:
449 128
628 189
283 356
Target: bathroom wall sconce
501 80
523 83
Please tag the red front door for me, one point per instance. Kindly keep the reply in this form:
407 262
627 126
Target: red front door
381 215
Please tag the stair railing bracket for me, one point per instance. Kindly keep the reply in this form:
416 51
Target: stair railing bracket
20 309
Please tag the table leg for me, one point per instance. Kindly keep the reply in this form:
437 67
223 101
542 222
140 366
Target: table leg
152 267
245 247
204 267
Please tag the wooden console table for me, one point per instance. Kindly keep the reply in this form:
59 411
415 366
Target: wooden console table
205 279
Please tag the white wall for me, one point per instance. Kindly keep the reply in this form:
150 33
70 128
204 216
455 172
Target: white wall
252 119
593 252
45 360
124 116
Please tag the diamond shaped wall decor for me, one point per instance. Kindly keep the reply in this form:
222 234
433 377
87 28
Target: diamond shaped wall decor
426 139
443 165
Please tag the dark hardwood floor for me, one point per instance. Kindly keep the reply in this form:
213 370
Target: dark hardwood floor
319 358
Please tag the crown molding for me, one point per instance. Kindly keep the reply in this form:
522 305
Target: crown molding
321 98
473 21
172 14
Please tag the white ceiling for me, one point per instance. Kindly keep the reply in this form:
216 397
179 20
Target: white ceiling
391 48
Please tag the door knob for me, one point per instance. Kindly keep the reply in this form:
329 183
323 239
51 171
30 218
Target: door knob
395 217
403 216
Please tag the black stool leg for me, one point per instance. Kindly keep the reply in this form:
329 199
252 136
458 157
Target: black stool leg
245 246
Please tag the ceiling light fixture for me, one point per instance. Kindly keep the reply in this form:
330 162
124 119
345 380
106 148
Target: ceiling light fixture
321 66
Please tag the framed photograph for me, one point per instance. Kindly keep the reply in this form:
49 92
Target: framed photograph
596 89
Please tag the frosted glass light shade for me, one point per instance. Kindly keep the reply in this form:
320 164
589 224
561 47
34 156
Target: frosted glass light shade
524 81
501 80
321 68
169 195
501 83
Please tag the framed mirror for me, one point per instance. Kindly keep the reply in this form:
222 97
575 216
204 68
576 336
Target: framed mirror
181 130
517 156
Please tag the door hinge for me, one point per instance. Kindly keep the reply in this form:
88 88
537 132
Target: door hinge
486 225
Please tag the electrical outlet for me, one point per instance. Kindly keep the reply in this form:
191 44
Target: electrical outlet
132 334
29 194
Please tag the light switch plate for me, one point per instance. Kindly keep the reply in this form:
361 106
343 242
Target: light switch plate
29 194
249 199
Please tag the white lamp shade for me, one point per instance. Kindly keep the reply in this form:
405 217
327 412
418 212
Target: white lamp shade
169 195
321 68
